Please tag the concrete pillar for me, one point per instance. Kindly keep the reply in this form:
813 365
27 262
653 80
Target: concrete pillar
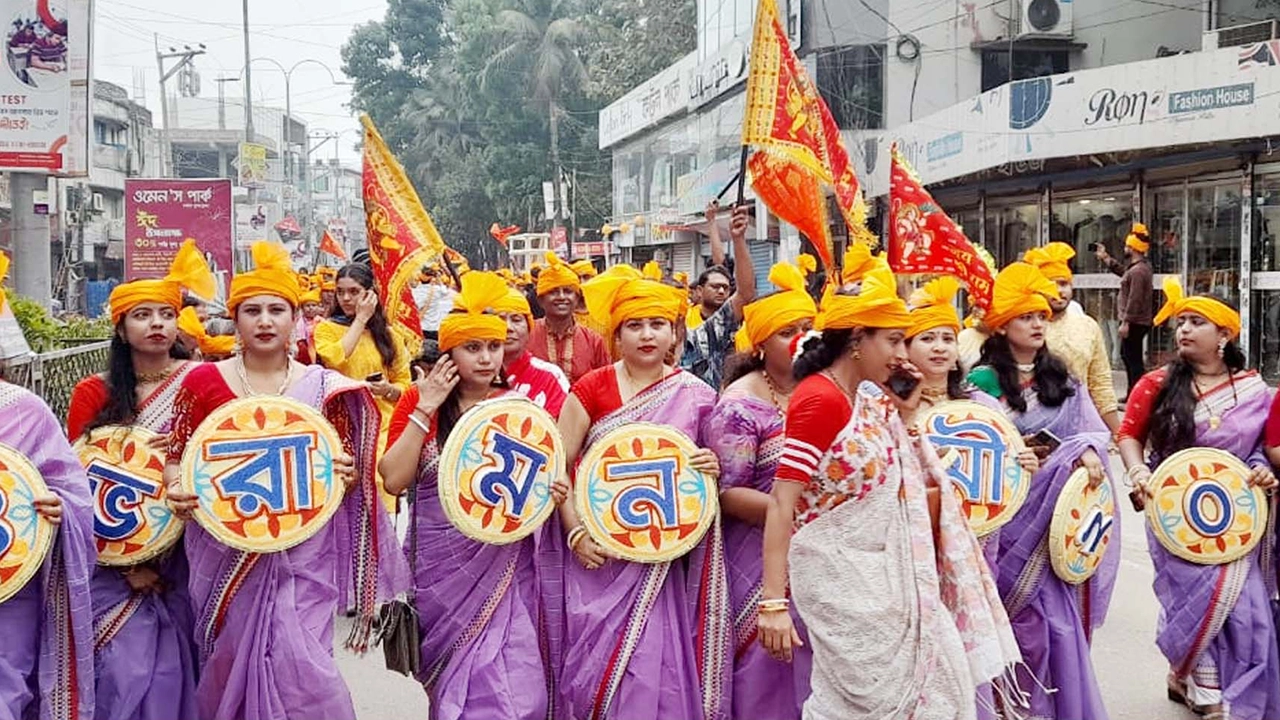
32 265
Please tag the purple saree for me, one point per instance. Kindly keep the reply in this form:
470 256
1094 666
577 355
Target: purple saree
1052 620
46 655
746 434
145 657
1216 624
264 622
632 641
478 608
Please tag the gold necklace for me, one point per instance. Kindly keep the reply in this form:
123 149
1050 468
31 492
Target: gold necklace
1215 419
632 384
148 378
934 395
243 374
773 395
839 384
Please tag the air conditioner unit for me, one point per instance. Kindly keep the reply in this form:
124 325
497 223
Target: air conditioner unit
1240 35
96 204
1046 18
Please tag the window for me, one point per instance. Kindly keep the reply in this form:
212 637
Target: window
1012 230
851 82
1027 64
1244 12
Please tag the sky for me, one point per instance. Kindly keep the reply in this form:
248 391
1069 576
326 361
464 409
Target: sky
287 31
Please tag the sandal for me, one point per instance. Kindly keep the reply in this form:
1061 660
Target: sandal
1176 691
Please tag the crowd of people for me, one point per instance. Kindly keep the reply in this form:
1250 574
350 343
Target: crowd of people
841 580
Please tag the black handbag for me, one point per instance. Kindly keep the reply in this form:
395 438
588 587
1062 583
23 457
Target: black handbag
398 630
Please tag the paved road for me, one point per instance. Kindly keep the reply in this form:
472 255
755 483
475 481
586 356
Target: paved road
1130 668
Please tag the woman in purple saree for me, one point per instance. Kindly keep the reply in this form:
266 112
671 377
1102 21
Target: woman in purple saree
478 604
1051 619
635 641
264 621
745 431
1216 625
46 650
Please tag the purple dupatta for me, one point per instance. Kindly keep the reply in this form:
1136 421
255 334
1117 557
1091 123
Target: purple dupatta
46 657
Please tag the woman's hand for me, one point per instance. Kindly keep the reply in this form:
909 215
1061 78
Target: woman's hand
433 389
159 442
1028 460
1041 450
50 508
384 390
559 491
590 555
705 461
1093 464
144 580
778 634
181 502
365 306
344 468
907 406
1262 477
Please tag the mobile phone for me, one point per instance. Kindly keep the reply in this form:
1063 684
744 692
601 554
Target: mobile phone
1137 500
1093 247
902 383
376 377
1047 439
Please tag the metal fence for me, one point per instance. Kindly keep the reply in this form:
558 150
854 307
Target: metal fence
52 375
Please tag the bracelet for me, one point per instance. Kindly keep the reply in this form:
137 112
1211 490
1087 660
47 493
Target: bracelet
574 538
773 605
413 418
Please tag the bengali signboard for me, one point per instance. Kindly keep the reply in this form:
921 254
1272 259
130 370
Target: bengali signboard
160 214
36 80
657 98
252 165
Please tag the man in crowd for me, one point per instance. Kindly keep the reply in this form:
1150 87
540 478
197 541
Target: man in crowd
1136 307
707 346
1076 337
536 379
557 337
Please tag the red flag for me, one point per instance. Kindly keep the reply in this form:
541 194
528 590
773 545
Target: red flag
331 246
402 238
792 128
501 234
924 240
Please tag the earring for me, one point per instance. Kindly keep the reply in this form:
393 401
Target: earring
1222 347
857 354
760 354
237 348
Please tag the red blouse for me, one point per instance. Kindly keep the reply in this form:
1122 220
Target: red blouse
818 411
203 391
598 392
87 400
1142 400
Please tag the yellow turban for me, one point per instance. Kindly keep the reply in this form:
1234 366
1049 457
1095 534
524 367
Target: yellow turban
514 301
1139 239
1019 289
310 296
4 272
682 278
858 260
1052 260
876 305
189 270
623 293
272 275
556 275
932 306
481 292
1211 309
768 315
189 323
584 269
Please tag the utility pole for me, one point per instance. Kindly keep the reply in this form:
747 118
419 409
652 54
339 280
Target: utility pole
248 81
185 57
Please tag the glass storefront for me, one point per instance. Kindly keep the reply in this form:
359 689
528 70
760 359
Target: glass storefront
1013 228
1264 311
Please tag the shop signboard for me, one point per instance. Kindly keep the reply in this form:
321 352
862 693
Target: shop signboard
252 165
719 73
654 100
1194 98
161 214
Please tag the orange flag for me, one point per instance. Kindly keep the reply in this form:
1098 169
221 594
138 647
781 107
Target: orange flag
799 151
501 234
331 246
402 238
923 239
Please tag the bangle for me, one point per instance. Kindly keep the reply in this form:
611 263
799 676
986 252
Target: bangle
413 418
774 605
574 538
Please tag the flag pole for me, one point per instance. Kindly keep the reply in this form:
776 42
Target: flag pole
742 176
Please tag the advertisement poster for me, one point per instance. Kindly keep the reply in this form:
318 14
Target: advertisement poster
256 222
253 165
161 214
35 83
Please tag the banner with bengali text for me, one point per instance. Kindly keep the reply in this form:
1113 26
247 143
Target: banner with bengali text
160 214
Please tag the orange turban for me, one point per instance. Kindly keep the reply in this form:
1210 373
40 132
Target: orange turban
328 278
556 275
772 313
932 306
514 301
1052 260
471 320
1139 239
1019 289
189 323
584 269
682 278
4 272
858 260
623 293
189 270
310 296
876 305
1211 309
272 275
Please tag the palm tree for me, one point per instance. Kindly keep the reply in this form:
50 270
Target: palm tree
542 35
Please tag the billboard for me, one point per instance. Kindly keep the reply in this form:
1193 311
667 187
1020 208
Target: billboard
161 214
43 57
252 165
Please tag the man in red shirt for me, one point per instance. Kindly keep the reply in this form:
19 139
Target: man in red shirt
536 379
557 337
